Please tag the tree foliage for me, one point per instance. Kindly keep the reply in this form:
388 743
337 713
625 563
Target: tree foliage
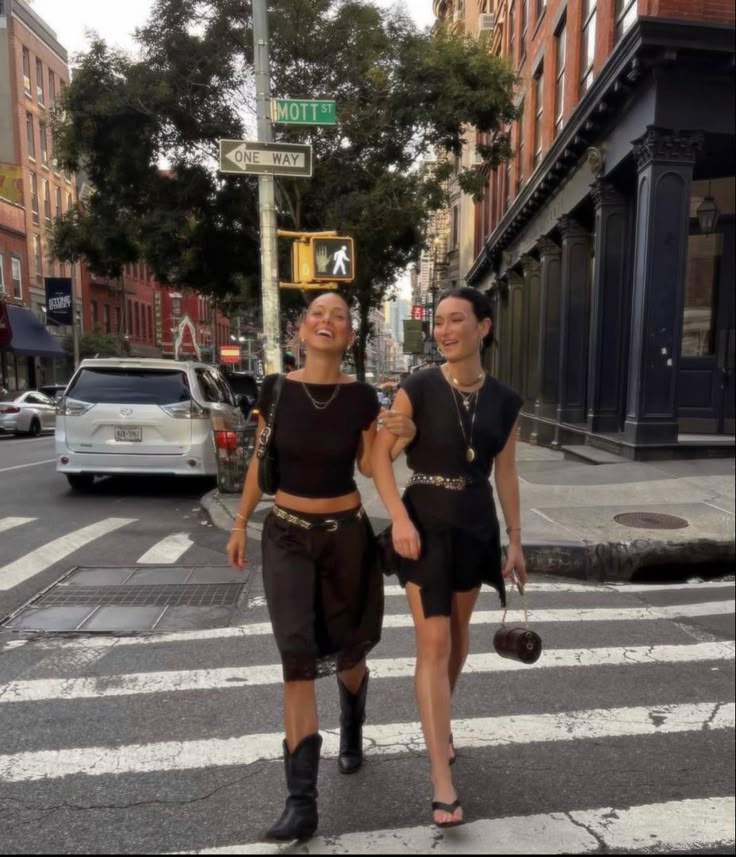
401 95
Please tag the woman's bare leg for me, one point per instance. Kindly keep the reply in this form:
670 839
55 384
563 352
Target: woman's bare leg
432 688
300 711
463 604
353 678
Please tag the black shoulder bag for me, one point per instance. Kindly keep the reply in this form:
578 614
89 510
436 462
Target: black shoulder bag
268 471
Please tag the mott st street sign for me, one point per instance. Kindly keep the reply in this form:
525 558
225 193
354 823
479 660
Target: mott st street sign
273 159
291 111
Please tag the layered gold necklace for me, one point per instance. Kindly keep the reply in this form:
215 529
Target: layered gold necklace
468 399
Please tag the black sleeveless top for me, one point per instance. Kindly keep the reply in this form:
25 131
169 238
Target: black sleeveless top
439 448
316 448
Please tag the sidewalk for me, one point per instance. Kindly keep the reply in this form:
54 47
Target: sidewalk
569 510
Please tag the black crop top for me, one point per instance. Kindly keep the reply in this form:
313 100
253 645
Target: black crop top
316 448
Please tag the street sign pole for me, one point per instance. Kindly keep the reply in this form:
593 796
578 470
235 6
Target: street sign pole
266 194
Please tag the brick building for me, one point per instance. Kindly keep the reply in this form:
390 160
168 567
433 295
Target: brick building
613 286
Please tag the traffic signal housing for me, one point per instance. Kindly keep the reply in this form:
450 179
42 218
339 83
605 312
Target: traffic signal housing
333 259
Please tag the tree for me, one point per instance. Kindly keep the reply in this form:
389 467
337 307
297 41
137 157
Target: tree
96 344
401 94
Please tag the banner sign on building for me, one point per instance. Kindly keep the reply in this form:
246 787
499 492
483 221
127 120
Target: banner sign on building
157 317
413 338
229 354
59 300
11 183
417 312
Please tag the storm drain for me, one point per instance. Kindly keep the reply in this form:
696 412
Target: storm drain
186 595
651 521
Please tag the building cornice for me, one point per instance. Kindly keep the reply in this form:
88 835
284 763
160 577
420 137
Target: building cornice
650 42
18 9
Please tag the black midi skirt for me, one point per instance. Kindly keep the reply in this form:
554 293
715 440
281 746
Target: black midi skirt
324 592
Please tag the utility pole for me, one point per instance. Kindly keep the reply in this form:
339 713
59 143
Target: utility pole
269 257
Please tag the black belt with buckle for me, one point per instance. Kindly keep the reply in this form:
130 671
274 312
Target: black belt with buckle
330 525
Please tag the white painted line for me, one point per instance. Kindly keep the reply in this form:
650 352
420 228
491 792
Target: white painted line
257 629
12 644
603 588
41 558
720 508
236 678
9 523
389 738
167 551
32 464
679 826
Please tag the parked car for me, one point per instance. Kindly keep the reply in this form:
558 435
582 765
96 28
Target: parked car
143 416
53 391
29 412
245 388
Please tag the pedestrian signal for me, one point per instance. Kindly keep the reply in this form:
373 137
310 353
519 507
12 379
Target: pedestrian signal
333 259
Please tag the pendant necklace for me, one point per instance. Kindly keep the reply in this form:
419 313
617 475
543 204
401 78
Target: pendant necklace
320 406
474 396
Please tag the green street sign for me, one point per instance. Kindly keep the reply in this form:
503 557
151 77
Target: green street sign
289 111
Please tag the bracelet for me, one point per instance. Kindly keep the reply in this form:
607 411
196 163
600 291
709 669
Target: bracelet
510 530
242 517
237 530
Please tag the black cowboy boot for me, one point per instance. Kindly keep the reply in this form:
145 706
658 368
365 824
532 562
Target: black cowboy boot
352 717
299 818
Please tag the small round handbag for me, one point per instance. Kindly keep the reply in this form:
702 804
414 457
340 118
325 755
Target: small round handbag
518 643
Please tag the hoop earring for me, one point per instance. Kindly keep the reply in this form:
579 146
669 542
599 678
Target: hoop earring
441 352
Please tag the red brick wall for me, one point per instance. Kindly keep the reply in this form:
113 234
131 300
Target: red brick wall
713 11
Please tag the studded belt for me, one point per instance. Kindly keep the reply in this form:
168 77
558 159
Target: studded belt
449 483
328 524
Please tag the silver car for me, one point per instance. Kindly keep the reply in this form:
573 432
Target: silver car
143 416
27 413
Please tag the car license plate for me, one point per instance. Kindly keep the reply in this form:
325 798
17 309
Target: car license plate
129 435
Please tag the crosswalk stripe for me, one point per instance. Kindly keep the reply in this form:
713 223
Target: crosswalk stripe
256 629
10 523
41 558
167 550
682 826
235 678
390 738
606 588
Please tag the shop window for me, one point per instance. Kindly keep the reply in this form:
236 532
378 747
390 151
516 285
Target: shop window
701 281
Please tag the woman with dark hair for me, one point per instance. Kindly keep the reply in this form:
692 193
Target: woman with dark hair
444 537
324 590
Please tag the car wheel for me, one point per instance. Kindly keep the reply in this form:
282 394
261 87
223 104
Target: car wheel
80 481
35 429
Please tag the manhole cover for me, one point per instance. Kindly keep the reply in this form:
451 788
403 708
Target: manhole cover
651 521
183 595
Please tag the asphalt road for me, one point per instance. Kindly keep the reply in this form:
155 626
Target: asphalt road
619 740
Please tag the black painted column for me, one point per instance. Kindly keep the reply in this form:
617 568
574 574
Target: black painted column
502 330
665 163
515 330
574 320
548 352
532 276
609 311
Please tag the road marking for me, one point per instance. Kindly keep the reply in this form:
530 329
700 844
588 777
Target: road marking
619 588
235 678
389 738
257 629
33 464
45 556
680 826
9 523
168 550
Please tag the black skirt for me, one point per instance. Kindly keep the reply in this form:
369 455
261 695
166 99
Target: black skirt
324 592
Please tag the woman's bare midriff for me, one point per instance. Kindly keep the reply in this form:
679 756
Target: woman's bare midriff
318 505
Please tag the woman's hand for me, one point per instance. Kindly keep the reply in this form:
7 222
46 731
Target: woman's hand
235 548
406 538
515 562
398 424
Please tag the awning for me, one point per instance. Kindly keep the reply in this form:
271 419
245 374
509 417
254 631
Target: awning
30 337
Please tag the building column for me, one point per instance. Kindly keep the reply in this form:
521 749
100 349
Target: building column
502 330
515 332
548 348
532 275
609 311
664 161
574 320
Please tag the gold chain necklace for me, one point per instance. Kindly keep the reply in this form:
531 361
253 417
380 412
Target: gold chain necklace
469 451
320 406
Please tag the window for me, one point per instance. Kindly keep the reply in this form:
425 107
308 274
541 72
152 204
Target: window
131 386
541 6
58 202
561 47
106 313
43 132
40 95
520 151
27 72
538 111
15 276
30 139
625 16
69 204
37 255
507 186
524 21
52 90
512 33
587 45
46 200
455 225
34 199
2 275
93 313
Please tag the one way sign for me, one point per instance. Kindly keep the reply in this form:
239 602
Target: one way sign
273 159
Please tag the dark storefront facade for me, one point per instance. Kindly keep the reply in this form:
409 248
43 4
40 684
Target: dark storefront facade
32 356
613 285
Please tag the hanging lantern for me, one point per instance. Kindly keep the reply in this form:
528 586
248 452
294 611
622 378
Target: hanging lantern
708 214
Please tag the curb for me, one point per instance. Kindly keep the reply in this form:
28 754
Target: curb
602 562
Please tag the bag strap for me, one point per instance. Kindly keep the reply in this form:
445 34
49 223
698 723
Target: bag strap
268 429
515 580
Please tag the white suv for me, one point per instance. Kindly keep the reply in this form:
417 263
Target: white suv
141 416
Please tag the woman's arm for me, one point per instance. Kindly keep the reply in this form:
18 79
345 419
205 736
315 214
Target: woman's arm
507 487
365 449
249 499
405 536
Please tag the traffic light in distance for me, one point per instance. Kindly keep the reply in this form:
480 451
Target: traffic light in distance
302 270
334 259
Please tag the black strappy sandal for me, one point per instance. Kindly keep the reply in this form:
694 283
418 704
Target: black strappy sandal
454 754
447 807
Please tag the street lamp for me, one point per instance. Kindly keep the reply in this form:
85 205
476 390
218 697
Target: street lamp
708 214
